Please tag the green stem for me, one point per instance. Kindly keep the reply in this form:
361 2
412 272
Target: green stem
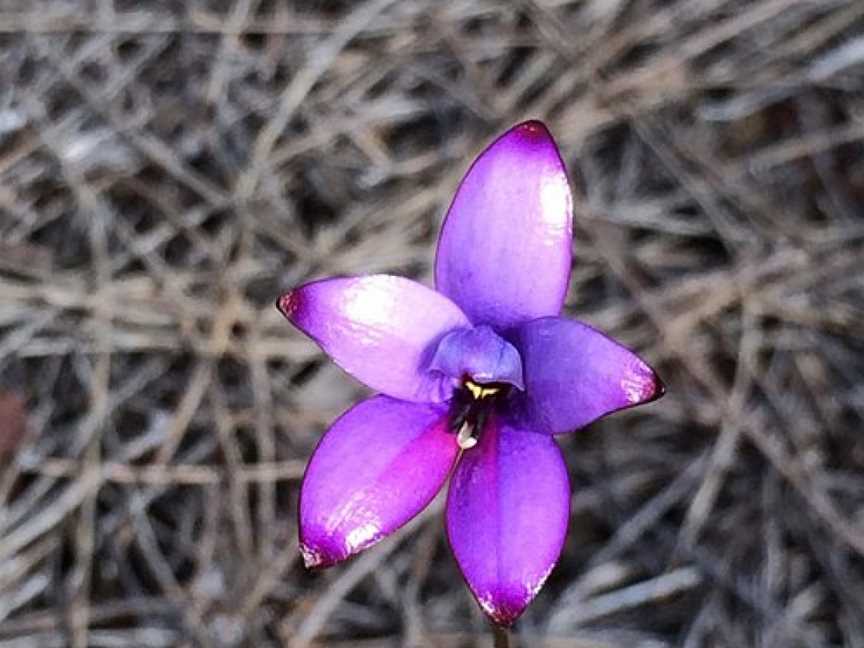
502 636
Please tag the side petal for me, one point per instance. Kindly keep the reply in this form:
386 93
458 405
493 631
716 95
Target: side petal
377 467
381 329
575 374
507 513
505 247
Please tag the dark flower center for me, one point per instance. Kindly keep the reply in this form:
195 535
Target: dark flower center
471 406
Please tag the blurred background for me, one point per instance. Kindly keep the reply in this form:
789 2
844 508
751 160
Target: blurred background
168 168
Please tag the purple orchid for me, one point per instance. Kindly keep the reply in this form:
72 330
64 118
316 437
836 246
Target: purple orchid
476 378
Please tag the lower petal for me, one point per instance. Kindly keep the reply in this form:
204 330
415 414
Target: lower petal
377 467
507 514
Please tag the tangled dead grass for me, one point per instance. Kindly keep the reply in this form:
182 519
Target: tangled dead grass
166 169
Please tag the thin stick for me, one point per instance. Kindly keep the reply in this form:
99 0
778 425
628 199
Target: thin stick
502 636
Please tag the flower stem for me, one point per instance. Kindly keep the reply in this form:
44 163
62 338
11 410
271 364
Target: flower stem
502 636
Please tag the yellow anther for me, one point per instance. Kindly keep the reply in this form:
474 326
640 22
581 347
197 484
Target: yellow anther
481 391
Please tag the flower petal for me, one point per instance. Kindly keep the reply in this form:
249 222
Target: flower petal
479 353
575 374
505 246
381 329
507 514
377 467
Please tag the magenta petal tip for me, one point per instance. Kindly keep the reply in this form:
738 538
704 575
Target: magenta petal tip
532 129
288 304
641 384
505 607
316 558
655 389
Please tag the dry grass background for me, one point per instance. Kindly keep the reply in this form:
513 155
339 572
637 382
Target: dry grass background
167 168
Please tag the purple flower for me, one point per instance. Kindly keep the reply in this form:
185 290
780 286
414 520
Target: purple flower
476 378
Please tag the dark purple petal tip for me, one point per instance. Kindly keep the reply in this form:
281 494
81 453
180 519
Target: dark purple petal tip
649 388
532 129
504 606
288 304
638 382
320 554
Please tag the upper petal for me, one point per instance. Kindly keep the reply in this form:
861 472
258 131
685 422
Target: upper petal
377 467
507 513
575 374
505 246
381 329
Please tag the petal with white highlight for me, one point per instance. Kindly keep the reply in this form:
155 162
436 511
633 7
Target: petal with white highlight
377 467
381 329
505 247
